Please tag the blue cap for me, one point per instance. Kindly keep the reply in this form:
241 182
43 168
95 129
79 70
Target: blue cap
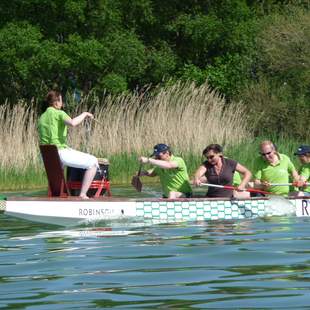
302 150
159 148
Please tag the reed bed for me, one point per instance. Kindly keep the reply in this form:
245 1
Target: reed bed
18 137
184 116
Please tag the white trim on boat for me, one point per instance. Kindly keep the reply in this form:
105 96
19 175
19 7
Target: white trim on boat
71 212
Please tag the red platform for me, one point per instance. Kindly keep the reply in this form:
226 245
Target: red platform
57 184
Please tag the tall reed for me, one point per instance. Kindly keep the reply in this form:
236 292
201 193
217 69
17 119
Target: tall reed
183 115
18 137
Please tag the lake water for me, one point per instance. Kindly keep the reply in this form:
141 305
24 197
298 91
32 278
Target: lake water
247 264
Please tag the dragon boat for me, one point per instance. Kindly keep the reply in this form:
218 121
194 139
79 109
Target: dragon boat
61 208
72 211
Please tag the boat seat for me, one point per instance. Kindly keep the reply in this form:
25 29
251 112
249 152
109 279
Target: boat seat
96 184
57 186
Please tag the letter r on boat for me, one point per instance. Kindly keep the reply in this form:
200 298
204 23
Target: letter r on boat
305 207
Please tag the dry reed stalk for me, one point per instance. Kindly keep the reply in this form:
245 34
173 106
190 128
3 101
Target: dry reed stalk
184 116
18 137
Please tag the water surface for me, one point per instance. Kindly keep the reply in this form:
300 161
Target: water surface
250 264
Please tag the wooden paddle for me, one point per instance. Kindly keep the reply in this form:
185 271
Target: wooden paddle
135 181
251 190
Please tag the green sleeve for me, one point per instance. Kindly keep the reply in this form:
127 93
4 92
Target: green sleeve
155 170
180 162
63 115
305 172
257 170
291 166
237 178
258 175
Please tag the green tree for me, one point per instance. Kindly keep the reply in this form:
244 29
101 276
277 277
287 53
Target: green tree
285 49
161 63
279 102
127 55
88 59
28 62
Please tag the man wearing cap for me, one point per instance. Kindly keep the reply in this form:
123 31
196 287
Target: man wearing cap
303 153
273 167
171 170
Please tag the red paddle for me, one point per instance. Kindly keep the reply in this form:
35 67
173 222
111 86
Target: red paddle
251 190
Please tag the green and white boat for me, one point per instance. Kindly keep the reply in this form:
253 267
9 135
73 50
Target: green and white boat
72 211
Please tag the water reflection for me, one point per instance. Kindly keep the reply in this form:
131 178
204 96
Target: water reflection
260 263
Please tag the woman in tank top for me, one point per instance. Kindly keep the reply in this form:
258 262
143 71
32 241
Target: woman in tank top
220 170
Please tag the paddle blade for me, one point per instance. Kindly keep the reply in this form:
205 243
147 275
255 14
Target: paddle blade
136 183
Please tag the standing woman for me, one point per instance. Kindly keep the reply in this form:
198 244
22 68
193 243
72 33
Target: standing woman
53 130
219 170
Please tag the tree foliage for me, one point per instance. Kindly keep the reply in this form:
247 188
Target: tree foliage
285 46
140 41
120 45
279 102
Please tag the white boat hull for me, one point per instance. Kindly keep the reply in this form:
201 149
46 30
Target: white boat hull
69 212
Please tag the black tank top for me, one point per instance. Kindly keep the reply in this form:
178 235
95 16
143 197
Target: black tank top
225 177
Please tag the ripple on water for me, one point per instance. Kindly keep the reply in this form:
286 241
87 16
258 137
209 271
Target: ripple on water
262 263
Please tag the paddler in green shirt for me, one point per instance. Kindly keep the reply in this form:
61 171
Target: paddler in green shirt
171 170
273 167
52 128
303 153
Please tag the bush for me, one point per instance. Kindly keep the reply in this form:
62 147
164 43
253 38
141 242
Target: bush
273 111
285 49
112 83
279 102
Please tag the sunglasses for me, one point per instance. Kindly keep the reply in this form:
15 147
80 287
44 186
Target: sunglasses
265 154
210 157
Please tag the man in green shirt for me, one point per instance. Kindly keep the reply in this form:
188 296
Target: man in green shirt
171 170
52 128
303 153
273 167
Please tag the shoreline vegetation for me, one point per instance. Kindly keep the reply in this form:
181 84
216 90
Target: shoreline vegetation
183 115
124 67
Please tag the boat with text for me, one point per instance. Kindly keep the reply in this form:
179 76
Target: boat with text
73 211
61 207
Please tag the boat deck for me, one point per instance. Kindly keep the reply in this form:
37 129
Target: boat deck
124 199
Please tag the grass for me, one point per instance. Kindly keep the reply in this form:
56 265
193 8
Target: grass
29 178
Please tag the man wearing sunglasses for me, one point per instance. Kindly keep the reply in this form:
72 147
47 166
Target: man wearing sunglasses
171 170
273 167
